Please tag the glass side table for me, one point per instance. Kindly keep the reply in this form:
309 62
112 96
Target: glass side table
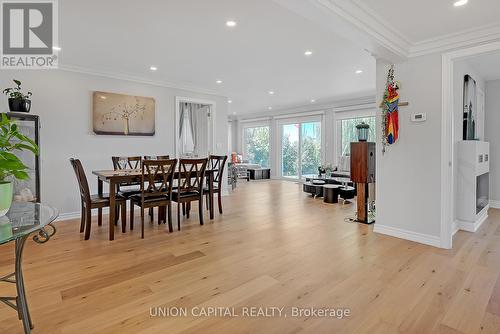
22 220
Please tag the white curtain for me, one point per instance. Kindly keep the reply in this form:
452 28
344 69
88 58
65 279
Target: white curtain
193 129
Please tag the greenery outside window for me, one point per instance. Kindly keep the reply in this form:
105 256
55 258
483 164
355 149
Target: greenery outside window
349 132
256 145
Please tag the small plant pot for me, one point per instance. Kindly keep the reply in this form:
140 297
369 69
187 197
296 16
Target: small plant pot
6 190
19 105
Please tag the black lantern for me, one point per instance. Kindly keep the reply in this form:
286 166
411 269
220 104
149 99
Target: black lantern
362 131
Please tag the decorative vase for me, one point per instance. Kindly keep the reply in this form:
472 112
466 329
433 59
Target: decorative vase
362 131
19 105
6 190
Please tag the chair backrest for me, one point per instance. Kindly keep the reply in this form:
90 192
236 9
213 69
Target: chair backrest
157 177
82 179
156 157
191 174
132 162
216 163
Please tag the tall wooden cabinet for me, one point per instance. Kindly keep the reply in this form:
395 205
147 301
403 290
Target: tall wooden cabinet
363 174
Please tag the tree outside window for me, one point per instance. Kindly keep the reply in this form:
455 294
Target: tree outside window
256 145
350 133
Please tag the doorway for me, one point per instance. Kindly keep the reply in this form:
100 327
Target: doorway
194 127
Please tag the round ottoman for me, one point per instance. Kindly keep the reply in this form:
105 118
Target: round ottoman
331 193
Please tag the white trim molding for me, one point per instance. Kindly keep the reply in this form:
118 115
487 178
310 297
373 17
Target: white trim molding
426 239
494 204
472 226
132 78
361 24
462 39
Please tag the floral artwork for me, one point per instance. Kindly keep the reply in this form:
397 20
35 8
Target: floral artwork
118 114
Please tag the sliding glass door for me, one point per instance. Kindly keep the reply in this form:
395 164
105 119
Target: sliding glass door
310 144
290 150
300 148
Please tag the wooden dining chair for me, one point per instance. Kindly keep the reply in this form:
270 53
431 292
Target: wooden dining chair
89 202
190 186
156 189
216 164
156 157
132 163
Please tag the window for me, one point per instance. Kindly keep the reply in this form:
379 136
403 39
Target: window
256 145
349 132
300 149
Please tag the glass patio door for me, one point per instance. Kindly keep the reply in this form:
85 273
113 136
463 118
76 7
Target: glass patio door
300 149
290 150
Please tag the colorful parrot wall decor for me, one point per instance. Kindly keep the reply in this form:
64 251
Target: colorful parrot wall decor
390 109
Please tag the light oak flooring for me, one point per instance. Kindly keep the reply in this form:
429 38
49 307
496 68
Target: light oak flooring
273 246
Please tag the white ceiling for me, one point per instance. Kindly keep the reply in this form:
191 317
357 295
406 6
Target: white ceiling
421 20
487 66
189 43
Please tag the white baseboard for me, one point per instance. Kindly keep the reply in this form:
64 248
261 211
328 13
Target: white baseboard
426 239
76 214
494 204
454 227
472 226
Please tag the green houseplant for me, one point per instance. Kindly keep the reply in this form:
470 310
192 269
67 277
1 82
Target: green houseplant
11 140
18 101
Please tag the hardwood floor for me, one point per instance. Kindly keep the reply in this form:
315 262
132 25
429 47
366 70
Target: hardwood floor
273 247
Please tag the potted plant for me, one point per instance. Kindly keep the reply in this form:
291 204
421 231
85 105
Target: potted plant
11 167
18 101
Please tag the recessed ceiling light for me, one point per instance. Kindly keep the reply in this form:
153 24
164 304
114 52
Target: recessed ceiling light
231 23
359 71
313 100
308 52
56 48
153 68
218 82
229 101
269 108
271 92
103 97
460 3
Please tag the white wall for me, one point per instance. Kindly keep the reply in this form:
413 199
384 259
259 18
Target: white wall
460 69
63 101
408 175
493 136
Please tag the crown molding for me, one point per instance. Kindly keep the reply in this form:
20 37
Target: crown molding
466 38
367 21
136 79
362 102
382 34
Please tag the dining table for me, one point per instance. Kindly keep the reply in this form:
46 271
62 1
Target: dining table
119 177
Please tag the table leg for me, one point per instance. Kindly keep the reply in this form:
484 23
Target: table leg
22 303
211 194
112 209
99 187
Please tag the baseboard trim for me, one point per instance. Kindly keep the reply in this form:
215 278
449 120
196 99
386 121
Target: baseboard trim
76 215
472 226
494 204
454 227
425 239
